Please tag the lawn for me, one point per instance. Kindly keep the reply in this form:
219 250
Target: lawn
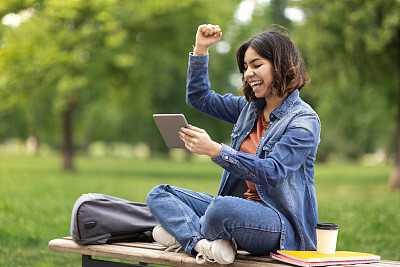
36 199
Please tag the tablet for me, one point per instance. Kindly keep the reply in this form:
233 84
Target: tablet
170 126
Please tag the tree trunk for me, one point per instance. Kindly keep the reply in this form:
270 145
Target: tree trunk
67 142
394 182
277 12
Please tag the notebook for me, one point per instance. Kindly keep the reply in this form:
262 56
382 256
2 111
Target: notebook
313 258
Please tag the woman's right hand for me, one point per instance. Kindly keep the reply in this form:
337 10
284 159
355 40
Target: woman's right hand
198 141
206 36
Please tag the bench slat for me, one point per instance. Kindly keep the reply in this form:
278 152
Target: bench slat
150 253
154 253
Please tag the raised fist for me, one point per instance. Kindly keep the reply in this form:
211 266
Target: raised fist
206 36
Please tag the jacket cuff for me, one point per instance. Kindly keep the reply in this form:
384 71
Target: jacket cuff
226 157
198 61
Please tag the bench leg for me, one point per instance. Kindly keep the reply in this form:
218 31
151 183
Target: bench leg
87 261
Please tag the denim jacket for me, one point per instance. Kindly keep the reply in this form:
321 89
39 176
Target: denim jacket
283 166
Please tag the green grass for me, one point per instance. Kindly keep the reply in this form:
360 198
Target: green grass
358 199
36 199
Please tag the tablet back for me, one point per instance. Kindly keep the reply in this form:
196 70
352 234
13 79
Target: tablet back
169 126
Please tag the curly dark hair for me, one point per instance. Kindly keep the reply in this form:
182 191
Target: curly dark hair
288 65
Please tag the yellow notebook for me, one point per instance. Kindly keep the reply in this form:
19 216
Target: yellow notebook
313 258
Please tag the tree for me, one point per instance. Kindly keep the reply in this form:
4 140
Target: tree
57 57
353 48
88 70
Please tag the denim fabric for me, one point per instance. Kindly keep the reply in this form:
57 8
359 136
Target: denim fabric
283 166
190 216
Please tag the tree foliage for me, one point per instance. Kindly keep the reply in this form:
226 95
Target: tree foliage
107 64
352 51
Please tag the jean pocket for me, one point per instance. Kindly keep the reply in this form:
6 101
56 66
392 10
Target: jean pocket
269 147
234 135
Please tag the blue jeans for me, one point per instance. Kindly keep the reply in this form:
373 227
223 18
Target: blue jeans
191 216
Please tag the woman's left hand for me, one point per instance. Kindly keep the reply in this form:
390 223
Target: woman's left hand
198 141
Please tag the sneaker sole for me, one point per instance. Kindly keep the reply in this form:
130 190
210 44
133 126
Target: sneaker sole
226 253
160 231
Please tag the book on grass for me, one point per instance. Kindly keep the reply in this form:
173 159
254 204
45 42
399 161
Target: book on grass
313 258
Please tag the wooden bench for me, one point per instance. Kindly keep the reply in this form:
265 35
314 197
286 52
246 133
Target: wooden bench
153 253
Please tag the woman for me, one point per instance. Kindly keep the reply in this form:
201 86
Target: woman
266 200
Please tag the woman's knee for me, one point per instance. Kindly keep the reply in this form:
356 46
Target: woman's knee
218 216
156 193
222 209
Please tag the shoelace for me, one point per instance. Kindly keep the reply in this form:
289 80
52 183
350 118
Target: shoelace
205 253
176 247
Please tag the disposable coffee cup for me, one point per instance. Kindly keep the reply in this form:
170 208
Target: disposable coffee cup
326 237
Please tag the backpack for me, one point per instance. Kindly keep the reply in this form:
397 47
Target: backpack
99 219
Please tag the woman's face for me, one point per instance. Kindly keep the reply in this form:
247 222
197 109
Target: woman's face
258 73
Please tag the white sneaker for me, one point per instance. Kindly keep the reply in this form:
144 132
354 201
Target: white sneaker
164 238
220 250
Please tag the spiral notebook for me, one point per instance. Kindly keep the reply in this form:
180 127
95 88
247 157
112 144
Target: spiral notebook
313 258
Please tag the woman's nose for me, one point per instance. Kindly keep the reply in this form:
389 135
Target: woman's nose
249 73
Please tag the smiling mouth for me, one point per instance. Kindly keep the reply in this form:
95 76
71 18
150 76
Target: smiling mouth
256 84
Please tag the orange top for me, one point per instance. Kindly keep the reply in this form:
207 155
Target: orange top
249 145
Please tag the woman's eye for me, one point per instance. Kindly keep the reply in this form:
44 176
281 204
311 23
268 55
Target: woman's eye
257 66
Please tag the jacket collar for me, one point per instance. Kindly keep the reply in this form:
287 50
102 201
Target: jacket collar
282 109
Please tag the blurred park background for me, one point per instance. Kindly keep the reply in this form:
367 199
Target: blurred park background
80 80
